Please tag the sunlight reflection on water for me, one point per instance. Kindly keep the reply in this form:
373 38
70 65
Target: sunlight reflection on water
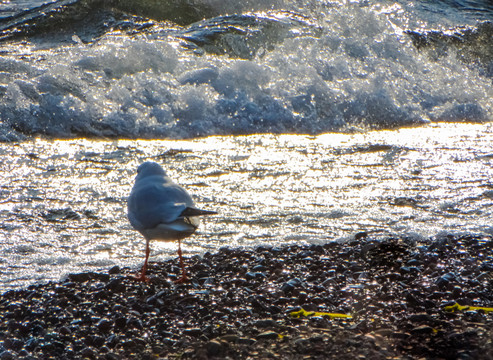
63 203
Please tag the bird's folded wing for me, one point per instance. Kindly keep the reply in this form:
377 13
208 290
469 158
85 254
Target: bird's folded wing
152 204
164 214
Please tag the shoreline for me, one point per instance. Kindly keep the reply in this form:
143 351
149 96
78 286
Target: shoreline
267 189
238 304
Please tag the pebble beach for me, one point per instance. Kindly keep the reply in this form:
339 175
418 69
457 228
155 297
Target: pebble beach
389 298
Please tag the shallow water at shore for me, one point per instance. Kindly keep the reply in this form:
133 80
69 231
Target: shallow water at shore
63 202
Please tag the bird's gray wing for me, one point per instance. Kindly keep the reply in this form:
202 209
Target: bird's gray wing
152 203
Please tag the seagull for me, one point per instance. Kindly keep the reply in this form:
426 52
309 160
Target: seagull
161 210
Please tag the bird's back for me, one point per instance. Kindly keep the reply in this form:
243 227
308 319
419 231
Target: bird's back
156 200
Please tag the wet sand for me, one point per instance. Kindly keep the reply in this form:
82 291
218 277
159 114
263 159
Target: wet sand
239 304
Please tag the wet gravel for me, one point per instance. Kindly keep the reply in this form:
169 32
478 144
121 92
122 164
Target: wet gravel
238 304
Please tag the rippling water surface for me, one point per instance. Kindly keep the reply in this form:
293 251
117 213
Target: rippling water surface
63 207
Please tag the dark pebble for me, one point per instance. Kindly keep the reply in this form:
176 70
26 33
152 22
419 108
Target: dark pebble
267 335
121 322
88 353
259 268
129 344
422 330
116 285
65 330
266 323
400 335
413 263
112 341
114 270
413 299
245 341
7 355
13 344
214 348
360 235
31 343
79 278
445 280
420 318
290 285
409 270
230 338
250 275
104 325
195 332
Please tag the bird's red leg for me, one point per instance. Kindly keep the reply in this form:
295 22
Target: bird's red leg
184 276
142 276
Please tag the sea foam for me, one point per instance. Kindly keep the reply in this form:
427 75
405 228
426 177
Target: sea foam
350 69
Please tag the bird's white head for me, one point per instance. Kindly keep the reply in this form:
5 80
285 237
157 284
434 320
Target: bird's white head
149 169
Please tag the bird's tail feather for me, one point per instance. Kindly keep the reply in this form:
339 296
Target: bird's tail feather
190 211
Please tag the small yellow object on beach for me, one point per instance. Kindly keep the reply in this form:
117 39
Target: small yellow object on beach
457 307
304 313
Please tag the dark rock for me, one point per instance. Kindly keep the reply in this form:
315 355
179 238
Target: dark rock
421 318
267 335
245 341
360 235
400 335
266 323
259 268
79 278
65 330
121 322
114 270
31 343
103 277
250 275
195 332
7 355
445 280
88 353
24 354
231 338
129 344
55 215
13 344
38 329
116 285
422 330
214 348
112 341
104 325
290 285
135 323
413 263
412 299
409 270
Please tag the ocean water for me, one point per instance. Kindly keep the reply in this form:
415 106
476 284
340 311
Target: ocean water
299 121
